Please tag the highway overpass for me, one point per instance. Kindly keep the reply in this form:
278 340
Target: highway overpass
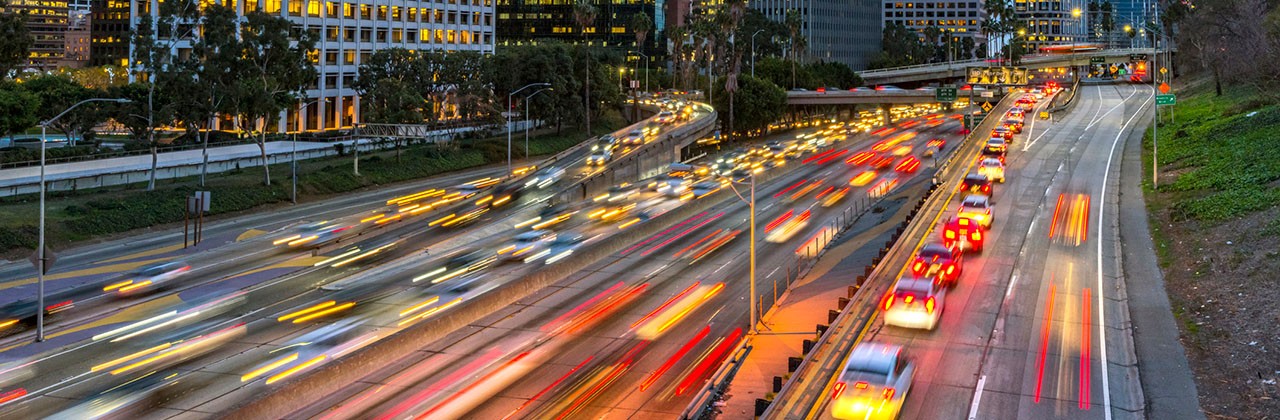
956 69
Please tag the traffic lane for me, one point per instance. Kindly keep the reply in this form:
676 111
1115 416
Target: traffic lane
957 339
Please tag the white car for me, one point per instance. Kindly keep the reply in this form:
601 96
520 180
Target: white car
914 302
665 117
634 137
977 208
600 158
873 384
149 277
545 177
527 244
992 169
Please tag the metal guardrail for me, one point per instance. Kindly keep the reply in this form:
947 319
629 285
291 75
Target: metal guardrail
808 362
704 404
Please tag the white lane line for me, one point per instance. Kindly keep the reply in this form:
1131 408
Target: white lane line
977 398
771 273
1097 120
1102 317
1009 290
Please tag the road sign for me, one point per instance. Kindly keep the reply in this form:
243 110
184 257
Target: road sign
988 94
1163 70
1137 57
1164 88
946 94
49 259
1097 60
997 76
986 107
1114 69
972 120
1166 100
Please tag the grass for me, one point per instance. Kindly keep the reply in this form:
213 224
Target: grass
1226 161
75 216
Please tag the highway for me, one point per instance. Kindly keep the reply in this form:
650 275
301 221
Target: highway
234 281
633 335
1037 326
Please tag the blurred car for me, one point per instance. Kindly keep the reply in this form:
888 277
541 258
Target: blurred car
705 187
873 384
670 186
860 158
55 300
863 178
976 183
526 244
458 265
963 234
914 302
564 245
545 176
633 137
665 117
976 208
994 154
313 234
908 165
936 260
605 143
149 277
600 158
786 226
996 144
992 168
881 162
1002 132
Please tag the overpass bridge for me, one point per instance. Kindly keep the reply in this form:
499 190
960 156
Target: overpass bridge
871 96
956 69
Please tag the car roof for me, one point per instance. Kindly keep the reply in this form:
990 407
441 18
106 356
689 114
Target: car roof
974 176
995 140
533 234
877 358
935 248
975 201
914 285
991 161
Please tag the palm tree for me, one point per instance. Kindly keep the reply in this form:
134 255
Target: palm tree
793 21
676 35
641 25
584 13
730 25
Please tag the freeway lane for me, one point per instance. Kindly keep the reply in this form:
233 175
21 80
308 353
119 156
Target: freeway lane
72 373
1037 327
581 347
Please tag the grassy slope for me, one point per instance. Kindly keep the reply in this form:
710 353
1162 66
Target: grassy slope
1217 231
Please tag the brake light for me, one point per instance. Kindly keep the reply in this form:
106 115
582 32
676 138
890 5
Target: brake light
888 301
909 299
918 268
951 268
950 234
977 235
860 385
888 393
928 306
839 389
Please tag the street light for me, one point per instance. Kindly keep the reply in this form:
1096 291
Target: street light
40 257
646 70
509 95
753 51
752 247
526 118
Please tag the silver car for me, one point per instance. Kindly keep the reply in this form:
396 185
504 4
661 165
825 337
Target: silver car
873 384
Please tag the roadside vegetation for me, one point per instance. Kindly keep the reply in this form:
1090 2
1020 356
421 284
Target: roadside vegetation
1216 224
103 213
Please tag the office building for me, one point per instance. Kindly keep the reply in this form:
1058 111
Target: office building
845 32
348 32
76 42
523 21
958 20
1053 22
109 32
47 23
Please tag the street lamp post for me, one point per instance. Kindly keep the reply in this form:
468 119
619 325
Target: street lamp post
1155 105
751 203
509 95
526 118
1075 71
40 257
646 70
753 51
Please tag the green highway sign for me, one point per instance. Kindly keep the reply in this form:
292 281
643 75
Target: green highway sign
946 94
972 120
1168 99
1137 57
1097 60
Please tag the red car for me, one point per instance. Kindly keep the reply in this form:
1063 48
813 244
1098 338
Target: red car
940 261
881 162
963 234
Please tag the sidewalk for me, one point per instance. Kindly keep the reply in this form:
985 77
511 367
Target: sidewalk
804 306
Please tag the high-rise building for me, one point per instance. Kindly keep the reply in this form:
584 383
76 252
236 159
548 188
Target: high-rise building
347 33
76 44
521 21
957 19
1053 22
845 32
47 23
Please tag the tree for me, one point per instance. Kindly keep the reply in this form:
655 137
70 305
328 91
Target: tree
59 92
16 110
900 46
676 36
758 103
584 14
15 39
834 74
794 21
275 70
641 24
390 84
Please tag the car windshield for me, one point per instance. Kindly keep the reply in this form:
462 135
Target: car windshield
975 202
934 251
975 179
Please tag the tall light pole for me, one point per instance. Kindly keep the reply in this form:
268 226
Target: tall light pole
751 203
1075 72
1155 125
509 95
753 51
646 70
40 257
293 159
526 118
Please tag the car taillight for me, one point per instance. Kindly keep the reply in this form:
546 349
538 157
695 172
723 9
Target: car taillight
949 234
977 235
839 389
918 267
860 385
888 393
928 304
888 301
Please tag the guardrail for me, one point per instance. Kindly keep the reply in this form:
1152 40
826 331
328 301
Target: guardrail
809 363
1025 59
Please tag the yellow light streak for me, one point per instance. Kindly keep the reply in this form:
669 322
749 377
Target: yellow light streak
269 367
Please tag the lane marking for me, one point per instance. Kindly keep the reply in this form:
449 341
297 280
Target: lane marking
1044 337
1102 318
977 398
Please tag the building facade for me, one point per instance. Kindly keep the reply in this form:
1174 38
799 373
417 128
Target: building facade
76 42
1053 22
847 32
522 21
47 23
957 19
348 32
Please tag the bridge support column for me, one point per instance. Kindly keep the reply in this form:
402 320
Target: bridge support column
884 113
